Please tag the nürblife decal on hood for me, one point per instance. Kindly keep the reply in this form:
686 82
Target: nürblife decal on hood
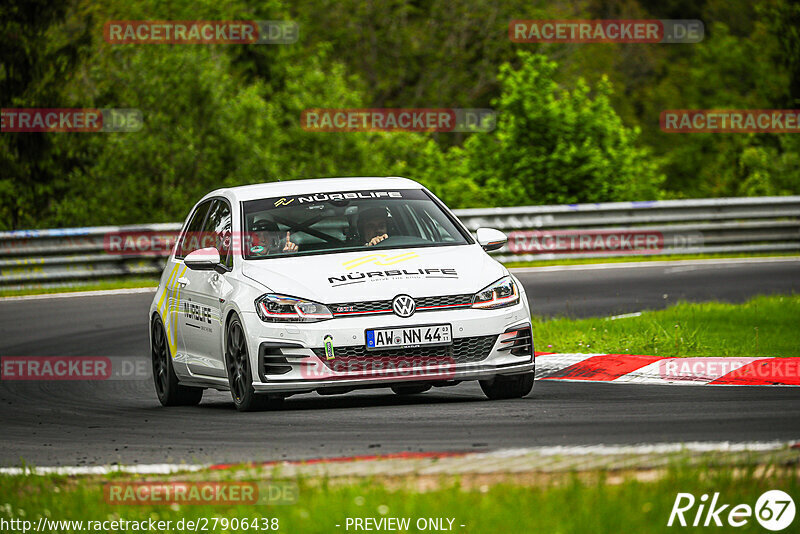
359 277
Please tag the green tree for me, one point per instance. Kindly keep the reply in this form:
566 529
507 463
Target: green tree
215 116
551 146
39 52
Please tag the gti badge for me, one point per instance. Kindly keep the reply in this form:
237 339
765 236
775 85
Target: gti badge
404 306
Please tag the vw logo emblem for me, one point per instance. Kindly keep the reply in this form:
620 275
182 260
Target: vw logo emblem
404 306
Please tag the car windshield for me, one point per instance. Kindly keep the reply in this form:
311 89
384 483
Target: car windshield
346 221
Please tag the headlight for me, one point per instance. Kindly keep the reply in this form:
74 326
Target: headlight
285 309
497 295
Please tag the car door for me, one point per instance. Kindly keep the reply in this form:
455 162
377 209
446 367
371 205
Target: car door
170 305
200 317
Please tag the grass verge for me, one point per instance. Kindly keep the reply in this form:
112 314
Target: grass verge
764 326
569 504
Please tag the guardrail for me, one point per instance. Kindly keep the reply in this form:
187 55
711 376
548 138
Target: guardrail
726 225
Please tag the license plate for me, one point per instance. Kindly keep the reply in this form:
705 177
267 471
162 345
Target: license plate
416 336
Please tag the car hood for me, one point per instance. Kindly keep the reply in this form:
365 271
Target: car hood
380 275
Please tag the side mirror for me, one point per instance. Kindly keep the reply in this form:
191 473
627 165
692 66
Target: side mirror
491 239
204 259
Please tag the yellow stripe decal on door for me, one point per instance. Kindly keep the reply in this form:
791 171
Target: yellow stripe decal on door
173 339
164 305
165 294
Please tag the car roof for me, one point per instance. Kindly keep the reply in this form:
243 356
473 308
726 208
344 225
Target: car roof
317 185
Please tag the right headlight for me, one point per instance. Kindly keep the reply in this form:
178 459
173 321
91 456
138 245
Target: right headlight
285 309
497 295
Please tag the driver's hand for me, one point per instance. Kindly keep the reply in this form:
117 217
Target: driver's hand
377 239
289 246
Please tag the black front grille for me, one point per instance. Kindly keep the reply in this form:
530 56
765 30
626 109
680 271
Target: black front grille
450 300
361 308
463 350
377 307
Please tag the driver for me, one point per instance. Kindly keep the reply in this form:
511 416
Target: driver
268 239
372 225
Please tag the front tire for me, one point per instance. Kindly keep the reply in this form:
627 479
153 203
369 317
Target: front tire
508 387
240 376
168 390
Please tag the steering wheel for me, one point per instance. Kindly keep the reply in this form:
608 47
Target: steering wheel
388 241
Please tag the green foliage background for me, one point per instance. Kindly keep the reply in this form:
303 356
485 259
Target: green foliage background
577 123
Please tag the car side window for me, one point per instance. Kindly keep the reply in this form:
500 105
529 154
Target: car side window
218 228
191 238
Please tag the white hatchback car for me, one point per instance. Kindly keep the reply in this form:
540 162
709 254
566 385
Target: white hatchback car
332 285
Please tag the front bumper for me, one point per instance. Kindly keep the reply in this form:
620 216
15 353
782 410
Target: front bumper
295 365
473 373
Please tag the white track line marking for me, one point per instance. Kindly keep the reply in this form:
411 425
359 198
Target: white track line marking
98 293
655 263
152 469
456 463
661 448
624 316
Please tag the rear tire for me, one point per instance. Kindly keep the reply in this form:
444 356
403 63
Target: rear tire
168 390
411 390
508 387
240 376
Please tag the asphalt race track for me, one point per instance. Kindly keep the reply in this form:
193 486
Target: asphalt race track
86 423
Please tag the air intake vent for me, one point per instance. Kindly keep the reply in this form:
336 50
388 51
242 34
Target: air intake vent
271 360
520 343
